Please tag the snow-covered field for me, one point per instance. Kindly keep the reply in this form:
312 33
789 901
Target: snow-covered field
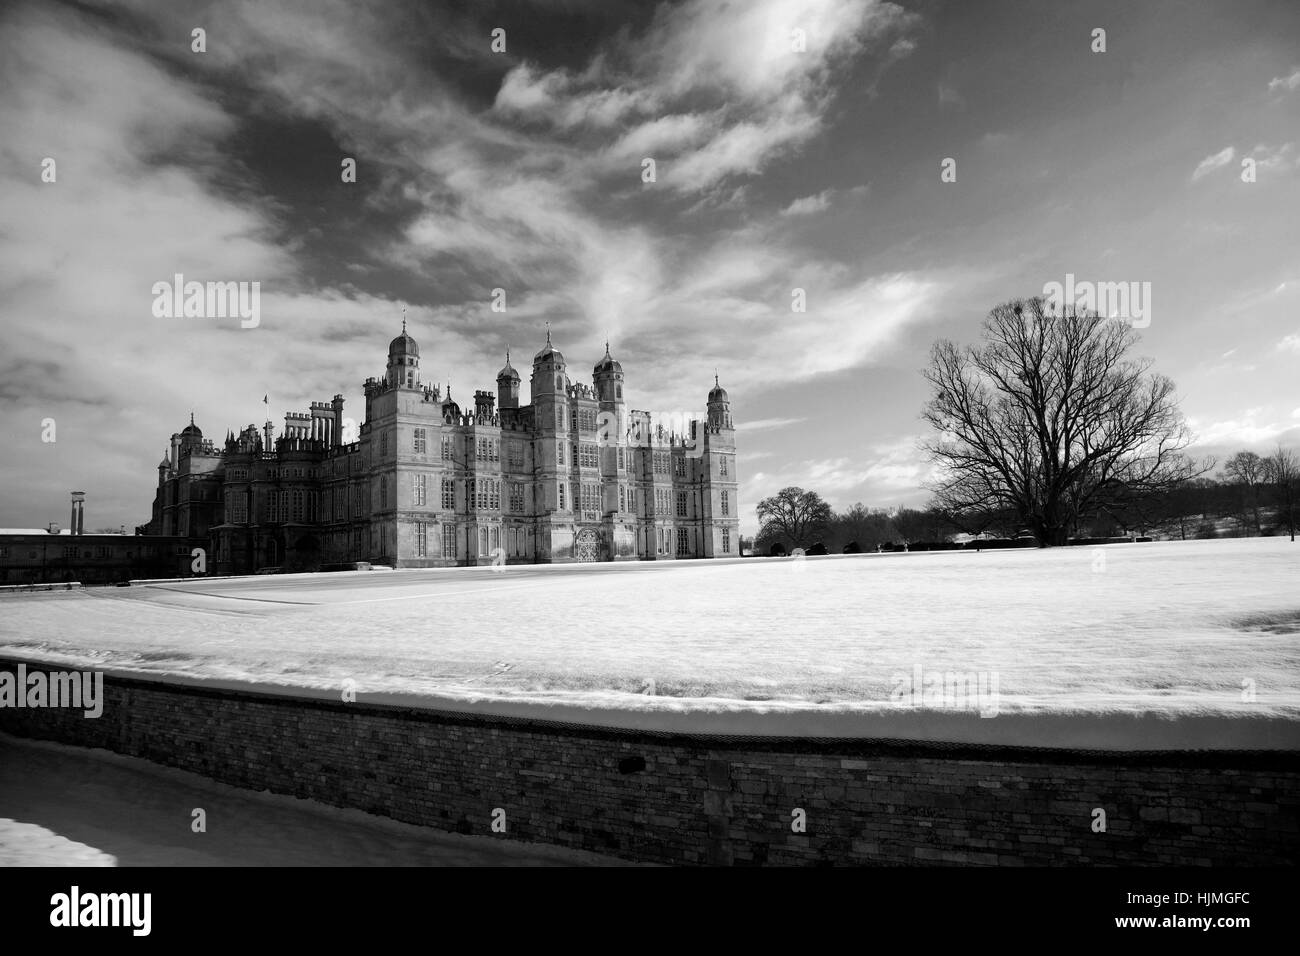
1170 628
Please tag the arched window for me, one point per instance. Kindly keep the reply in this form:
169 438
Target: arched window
559 383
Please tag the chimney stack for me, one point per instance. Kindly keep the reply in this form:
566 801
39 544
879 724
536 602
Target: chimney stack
78 525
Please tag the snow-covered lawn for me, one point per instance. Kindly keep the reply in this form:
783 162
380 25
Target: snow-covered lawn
1173 628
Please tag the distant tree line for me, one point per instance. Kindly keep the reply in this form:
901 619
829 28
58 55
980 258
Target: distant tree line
1252 495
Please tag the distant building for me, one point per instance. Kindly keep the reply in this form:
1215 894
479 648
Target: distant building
572 476
37 556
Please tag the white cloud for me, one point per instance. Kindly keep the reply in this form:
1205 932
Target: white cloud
1289 344
1213 162
807 205
765 424
1288 83
709 90
1276 158
1245 430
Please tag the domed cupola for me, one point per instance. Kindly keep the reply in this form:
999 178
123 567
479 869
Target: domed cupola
404 345
192 432
508 370
403 360
548 370
607 364
549 353
719 406
507 385
450 410
608 375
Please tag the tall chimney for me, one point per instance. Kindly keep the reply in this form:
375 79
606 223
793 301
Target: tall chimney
336 432
78 525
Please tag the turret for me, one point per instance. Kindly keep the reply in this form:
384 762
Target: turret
403 361
608 375
548 371
508 385
719 406
191 437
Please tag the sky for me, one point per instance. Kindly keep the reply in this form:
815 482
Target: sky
783 161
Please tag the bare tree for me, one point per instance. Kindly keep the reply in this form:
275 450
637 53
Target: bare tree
1051 418
1249 472
868 528
793 514
1283 472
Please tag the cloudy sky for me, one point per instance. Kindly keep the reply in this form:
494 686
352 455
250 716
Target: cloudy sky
776 169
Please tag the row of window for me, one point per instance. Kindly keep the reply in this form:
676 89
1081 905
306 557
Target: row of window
296 505
683 541
489 449
490 540
484 493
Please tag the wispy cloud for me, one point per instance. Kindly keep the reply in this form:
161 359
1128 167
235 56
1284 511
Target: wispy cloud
1215 161
765 424
710 91
1285 84
1276 158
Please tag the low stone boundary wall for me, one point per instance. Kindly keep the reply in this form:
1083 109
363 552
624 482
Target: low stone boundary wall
677 798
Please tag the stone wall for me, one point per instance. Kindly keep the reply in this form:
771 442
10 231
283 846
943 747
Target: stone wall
697 799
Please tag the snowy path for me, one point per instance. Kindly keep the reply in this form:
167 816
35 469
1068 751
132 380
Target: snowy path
86 807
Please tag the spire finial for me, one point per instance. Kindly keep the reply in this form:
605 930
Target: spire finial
715 379
507 353
548 333
403 320
191 416
607 348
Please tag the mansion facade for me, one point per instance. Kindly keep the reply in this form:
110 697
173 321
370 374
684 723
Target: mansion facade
572 476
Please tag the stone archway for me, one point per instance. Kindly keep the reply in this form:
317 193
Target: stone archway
586 547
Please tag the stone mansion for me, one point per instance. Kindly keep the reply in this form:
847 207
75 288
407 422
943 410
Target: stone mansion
572 476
